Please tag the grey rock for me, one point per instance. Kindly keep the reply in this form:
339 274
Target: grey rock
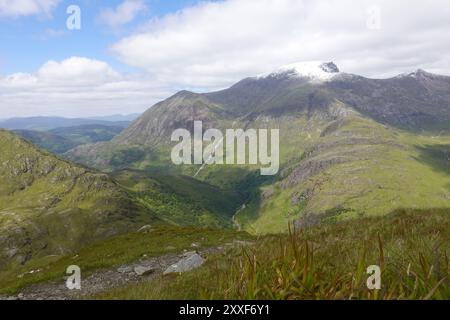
143 271
190 262
145 229
186 254
329 67
125 269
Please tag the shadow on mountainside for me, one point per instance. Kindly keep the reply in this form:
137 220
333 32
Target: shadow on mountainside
435 156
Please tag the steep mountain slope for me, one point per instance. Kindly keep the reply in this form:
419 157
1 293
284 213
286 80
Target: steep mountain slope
49 206
142 142
352 167
416 101
181 200
349 145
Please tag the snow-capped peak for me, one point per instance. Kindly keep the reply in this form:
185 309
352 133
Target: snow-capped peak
314 70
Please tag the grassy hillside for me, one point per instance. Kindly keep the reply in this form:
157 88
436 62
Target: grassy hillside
181 200
325 262
49 206
352 167
339 158
114 252
335 163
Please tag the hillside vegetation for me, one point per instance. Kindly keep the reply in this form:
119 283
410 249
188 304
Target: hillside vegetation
61 140
50 206
116 251
349 147
181 200
326 262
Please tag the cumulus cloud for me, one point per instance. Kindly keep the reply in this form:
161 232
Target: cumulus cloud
213 44
124 13
75 87
77 70
16 8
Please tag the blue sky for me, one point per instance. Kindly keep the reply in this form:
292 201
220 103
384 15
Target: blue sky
131 54
28 42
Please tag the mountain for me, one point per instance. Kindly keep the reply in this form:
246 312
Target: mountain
350 145
49 123
49 206
418 101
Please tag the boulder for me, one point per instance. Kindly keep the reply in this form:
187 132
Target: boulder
189 262
143 270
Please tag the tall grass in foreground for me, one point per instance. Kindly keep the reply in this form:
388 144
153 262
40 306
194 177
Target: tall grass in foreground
326 262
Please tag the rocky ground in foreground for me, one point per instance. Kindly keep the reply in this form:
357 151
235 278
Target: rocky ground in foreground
104 280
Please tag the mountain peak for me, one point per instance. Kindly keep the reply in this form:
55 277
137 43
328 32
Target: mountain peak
329 67
314 70
420 74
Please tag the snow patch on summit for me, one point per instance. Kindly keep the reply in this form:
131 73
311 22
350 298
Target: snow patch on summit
314 70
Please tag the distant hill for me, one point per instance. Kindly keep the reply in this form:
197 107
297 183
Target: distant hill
49 123
118 117
63 139
47 140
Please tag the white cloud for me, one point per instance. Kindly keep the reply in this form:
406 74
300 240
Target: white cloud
76 87
16 8
214 44
124 13
77 71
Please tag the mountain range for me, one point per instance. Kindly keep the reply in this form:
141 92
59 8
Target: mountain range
49 123
350 146
61 140
51 207
353 150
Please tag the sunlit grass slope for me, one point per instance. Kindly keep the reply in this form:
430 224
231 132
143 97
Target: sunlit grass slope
325 262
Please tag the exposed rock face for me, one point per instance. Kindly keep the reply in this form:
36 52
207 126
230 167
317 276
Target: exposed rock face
329 67
418 101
